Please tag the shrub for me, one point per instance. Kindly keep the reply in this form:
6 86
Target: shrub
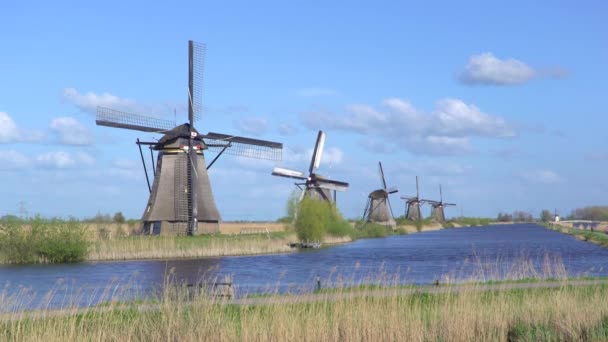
119 217
42 241
312 219
16 243
316 218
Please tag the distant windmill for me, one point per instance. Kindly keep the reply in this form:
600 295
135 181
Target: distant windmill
314 185
378 208
437 207
181 200
412 205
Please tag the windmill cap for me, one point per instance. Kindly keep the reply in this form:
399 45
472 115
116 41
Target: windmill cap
172 136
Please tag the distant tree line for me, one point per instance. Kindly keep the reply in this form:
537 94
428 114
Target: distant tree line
516 216
593 213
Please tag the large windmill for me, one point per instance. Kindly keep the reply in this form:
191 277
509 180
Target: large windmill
378 208
314 185
437 207
181 200
412 205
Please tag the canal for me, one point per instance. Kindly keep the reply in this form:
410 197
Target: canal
450 255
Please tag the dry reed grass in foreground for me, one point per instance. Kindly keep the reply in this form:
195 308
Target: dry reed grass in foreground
559 314
165 247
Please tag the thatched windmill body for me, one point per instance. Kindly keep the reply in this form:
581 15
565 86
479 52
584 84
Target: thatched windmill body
412 205
378 208
181 199
437 207
314 185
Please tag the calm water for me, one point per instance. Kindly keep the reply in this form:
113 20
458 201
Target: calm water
455 254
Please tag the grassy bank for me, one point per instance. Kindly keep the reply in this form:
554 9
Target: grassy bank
598 238
167 247
565 313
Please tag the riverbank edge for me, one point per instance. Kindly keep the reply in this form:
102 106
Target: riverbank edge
598 238
241 251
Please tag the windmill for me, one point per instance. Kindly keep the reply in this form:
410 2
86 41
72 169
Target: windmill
437 207
181 200
314 185
378 208
412 205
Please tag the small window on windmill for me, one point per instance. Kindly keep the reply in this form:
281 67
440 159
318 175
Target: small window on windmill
156 228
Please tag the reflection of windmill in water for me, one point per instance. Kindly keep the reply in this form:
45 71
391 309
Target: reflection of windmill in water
437 212
412 205
314 185
378 208
181 200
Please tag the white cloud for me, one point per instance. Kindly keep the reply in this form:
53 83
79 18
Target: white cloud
446 130
485 69
254 126
8 129
541 176
59 159
64 160
71 132
88 102
11 133
13 160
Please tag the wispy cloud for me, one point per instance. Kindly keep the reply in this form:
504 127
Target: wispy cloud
10 133
286 129
444 131
71 132
88 103
254 126
13 160
541 176
486 69
64 160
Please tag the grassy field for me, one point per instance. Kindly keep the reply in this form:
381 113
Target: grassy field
564 313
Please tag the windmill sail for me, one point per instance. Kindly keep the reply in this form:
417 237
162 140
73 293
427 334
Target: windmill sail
316 186
118 119
243 147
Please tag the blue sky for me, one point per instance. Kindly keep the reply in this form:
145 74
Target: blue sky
503 104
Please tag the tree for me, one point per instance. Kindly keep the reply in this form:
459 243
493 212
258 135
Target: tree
546 216
119 217
313 219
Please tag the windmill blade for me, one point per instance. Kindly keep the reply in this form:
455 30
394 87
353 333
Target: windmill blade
318 152
196 56
115 118
244 147
281 172
440 194
449 204
382 176
392 190
331 184
417 191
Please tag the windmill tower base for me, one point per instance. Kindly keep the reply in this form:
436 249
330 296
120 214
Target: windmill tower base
378 212
413 212
167 209
167 228
438 214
